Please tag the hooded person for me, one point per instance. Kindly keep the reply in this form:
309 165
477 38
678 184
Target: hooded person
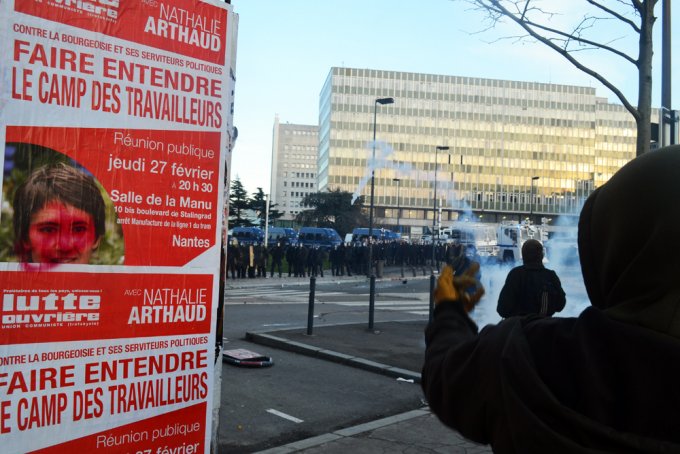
605 381
531 288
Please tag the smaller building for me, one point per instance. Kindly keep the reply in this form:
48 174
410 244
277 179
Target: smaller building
294 166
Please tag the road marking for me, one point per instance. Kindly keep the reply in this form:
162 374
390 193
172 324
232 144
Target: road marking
397 304
284 416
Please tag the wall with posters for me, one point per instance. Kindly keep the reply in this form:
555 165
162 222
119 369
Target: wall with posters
115 131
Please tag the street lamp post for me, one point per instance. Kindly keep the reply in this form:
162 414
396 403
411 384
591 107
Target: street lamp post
434 205
398 180
371 300
531 199
434 218
266 221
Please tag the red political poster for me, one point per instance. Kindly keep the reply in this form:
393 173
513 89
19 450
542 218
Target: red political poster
115 121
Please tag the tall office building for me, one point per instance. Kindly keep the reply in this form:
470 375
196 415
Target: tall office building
294 166
515 149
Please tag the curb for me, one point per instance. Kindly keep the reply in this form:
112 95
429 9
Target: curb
330 355
297 281
344 433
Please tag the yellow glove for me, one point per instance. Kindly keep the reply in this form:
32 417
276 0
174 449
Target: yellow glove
450 287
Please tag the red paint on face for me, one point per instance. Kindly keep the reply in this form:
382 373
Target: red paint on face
61 233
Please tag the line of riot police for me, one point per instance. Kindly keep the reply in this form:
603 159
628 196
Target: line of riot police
253 261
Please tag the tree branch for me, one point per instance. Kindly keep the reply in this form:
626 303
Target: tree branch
523 23
615 14
571 36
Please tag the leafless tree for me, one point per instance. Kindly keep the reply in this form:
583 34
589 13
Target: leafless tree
637 16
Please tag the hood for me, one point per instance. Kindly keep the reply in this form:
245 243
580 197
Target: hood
629 242
532 252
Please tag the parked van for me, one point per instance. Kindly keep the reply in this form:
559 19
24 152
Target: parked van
284 235
325 238
361 233
248 235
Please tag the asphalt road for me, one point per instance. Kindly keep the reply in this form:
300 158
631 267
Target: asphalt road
299 396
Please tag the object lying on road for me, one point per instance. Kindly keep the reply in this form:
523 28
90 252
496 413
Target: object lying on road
246 358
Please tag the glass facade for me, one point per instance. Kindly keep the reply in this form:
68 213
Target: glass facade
515 148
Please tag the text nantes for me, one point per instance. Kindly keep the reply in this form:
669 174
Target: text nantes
170 305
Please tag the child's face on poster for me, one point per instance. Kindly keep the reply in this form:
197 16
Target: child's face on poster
60 233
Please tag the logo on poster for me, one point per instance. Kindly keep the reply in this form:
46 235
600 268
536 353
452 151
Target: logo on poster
53 309
103 9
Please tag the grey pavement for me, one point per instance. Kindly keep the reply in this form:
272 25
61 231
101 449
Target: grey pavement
393 348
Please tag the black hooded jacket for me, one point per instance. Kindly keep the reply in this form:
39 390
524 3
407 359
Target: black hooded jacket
607 381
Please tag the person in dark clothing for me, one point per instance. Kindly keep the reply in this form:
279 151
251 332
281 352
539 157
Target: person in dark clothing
277 258
319 259
233 254
531 288
605 381
242 263
310 266
336 257
301 261
347 260
261 255
291 257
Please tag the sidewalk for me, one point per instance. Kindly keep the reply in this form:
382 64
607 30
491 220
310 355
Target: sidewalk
394 349
417 431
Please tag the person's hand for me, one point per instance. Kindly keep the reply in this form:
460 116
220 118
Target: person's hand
450 287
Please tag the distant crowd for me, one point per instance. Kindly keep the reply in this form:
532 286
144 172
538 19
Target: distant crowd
254 261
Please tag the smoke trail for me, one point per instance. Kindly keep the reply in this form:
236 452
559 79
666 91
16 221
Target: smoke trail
383 160
493 279
562 257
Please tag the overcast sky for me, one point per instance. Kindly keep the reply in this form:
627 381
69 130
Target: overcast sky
286 49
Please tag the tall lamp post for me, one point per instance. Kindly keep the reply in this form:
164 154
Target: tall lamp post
434 218
398 181
434 205
531 200
266 220
371 299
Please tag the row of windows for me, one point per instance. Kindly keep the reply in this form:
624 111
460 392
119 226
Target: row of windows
472 114
306 148
549 183
452 214
301 156
504 201
298 184
461 80
458 98
294 194
299 175
405 153
554 158
298 132
521 133
297 165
